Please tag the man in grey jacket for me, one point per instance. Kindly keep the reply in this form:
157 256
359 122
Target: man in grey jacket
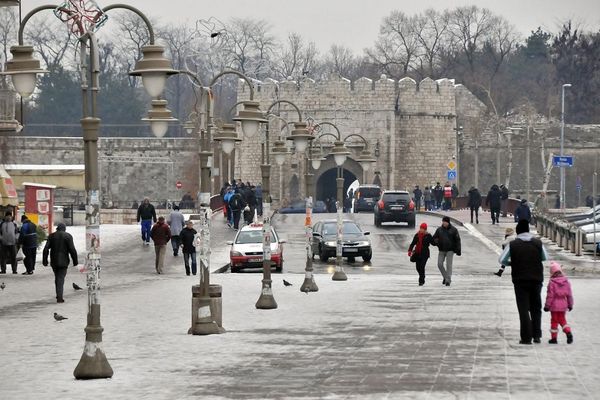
60 246
176 222
447 240
9 235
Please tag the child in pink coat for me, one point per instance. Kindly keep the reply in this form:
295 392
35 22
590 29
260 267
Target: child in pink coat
559 299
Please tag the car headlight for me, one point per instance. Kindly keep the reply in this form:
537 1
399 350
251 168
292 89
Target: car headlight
235 254
365 243
331 244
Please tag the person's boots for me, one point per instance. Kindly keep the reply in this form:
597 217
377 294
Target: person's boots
569 338
499 273
553 341
187 271
60 300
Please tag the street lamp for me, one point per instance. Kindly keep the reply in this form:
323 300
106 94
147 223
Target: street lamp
279 152
23 69
154 69
250 118
562 147
159 117
228 137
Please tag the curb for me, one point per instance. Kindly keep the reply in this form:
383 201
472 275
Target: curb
436 214
221 270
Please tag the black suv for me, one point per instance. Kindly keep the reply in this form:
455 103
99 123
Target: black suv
365 197
395 206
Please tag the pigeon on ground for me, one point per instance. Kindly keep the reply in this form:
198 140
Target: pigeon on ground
286 283
59 317
76 286
2 285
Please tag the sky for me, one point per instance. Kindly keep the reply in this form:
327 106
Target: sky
355 23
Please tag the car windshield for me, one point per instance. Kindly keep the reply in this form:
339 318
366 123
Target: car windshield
252 236
349 228
394 197
369 192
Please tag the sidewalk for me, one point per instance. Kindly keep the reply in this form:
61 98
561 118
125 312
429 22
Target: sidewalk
372 337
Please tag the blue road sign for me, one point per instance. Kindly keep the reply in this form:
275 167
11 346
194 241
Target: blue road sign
451 174
562 161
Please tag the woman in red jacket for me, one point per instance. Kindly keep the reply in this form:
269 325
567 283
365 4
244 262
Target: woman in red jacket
419 251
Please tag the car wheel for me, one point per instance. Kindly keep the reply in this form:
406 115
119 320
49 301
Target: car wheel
411 223
235 270
323 257
368 257
279 267
351 259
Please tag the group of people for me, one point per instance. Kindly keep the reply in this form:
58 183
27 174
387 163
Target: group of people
58 252
525 254
436 197
496 200
241 200
176 230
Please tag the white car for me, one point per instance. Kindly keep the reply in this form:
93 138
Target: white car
247 248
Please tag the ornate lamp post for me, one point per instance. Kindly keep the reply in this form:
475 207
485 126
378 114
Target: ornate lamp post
23 69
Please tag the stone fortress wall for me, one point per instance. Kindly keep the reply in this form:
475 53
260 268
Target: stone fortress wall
409 126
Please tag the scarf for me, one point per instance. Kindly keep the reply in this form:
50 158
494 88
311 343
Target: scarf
419 247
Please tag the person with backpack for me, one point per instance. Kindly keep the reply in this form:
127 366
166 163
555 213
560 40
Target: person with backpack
29 244
236 204
59 246
9 234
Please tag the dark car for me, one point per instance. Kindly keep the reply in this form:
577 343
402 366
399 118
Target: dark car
365 197
299 207
395 206
356 243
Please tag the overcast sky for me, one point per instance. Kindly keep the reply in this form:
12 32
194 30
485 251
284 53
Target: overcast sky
355 23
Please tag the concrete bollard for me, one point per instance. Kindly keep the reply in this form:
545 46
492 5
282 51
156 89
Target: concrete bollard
578 242
216 303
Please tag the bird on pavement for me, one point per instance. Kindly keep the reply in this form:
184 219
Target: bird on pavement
2 285
59 317
76 286
286 283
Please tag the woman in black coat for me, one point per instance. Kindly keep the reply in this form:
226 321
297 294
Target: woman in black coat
474 203
418 251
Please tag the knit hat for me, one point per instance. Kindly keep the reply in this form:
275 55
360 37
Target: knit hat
555 268
509 231
446 219
423 226
522 226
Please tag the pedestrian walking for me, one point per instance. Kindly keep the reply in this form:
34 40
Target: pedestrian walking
559 299
447 240
474 203
418 251
525 255
60 247
160 234
523 211
427 197
493 200
236 203
454 195
259 198
176 222
146 214
418 194
504 192
9 236
188 245
447 196
438 193
29 244
509 236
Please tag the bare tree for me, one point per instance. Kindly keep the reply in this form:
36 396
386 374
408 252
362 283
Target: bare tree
8 32
470 27
431 30
295 58
53 41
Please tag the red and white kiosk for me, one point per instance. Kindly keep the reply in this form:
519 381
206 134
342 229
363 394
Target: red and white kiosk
39 204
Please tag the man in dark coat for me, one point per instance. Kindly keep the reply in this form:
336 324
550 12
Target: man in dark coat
418 194
493 200
161 234
236 204
474 203
438 193
525 255
188 236
60 246
29 244
504 199
447 240
146 214
523 212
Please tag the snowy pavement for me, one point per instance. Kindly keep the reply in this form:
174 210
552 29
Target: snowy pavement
375 336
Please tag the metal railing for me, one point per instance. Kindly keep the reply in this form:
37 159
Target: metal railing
564 234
